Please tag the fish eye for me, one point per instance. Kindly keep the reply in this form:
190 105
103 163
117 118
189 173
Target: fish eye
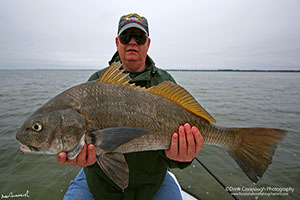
37 126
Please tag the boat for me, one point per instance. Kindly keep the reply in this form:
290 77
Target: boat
185 194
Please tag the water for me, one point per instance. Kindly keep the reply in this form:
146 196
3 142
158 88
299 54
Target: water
233 98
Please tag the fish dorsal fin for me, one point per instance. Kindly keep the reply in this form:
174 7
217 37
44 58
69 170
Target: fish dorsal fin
114 75
166 89
180 96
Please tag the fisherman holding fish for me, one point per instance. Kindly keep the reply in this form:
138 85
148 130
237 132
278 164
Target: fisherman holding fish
130 114
148 170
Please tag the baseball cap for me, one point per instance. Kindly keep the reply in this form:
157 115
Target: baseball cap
133 21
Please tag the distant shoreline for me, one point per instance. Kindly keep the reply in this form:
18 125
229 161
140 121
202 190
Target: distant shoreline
230 70
174 70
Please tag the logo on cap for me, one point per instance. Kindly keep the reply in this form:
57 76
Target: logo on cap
133 15
133 18
133 21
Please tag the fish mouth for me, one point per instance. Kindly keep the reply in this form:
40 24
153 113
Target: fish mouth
28 149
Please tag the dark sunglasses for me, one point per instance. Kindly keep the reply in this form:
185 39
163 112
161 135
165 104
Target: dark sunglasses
140 37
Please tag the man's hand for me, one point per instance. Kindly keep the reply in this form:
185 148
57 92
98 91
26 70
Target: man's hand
186 146
85 158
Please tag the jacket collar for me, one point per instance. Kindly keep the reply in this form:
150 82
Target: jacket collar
139 76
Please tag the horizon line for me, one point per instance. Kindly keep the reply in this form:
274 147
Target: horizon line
187 70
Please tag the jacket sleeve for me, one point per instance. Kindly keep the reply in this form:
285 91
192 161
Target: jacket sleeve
175 164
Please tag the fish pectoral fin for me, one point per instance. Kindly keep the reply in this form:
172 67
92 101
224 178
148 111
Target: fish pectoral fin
109 139
115 167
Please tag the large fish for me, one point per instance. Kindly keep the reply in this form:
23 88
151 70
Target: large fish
118 117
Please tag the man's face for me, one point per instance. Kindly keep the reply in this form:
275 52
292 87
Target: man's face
132 54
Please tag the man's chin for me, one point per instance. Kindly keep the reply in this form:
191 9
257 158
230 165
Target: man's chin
132 55
131 58
133 65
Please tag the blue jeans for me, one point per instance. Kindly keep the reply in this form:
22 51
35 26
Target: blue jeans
79 189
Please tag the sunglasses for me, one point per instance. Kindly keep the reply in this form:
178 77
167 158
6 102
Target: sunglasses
140 37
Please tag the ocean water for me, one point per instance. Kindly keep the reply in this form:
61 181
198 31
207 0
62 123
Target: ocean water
237 99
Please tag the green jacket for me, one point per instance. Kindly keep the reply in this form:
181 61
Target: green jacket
147 169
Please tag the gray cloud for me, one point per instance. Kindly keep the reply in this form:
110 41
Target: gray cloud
257 34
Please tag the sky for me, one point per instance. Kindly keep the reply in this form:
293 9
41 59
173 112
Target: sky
189 34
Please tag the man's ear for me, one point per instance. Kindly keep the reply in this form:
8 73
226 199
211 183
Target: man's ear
117 42
149 41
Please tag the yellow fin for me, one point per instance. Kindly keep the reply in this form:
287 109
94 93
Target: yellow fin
254 148
167 89
180 96
113 74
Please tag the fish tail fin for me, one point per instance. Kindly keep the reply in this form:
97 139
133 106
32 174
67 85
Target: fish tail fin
254 148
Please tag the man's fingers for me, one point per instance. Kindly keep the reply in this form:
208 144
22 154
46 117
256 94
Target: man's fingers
190 140
73 162
198 138
61 158
81 158
182 142
173 151
91 159
185 145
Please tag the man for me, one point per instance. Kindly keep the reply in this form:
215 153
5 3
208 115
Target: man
148 170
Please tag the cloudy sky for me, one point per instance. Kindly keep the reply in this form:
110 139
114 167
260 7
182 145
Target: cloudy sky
199 34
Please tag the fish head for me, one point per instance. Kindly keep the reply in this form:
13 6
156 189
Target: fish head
51 132
37 135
